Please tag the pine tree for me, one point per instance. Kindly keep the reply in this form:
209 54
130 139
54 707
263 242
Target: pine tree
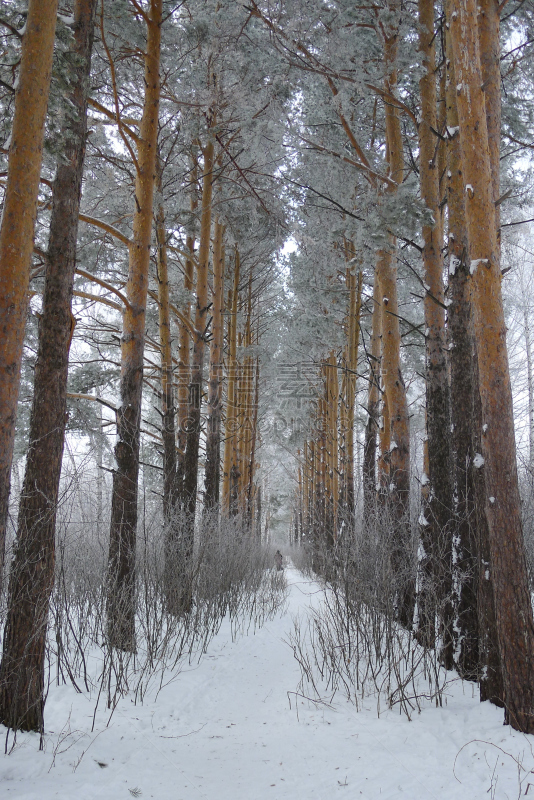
18 222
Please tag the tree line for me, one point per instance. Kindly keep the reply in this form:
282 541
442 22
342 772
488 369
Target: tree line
158 157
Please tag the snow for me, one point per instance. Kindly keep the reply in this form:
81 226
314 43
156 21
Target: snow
475 262
478 461
233 728
455 263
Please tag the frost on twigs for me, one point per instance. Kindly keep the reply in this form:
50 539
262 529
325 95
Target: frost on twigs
353 642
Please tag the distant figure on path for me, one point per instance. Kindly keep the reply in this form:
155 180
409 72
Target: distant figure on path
278 559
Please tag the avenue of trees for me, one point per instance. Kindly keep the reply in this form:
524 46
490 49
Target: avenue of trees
157 157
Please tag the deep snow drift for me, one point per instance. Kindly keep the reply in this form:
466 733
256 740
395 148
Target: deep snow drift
227 729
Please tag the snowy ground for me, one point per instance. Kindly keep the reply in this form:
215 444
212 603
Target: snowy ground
224 730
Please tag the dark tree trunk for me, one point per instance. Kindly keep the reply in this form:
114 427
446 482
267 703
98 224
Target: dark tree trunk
213 433
462 404
32 574
123 528
373 410
436 534
189 484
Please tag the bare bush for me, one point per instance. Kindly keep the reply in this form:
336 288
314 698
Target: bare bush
229 578
352 642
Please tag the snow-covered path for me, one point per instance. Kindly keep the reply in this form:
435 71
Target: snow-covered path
224 730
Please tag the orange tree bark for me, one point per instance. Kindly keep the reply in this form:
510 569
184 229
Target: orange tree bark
491 678
121 567
32 573
477 656
398 417
18 222
507 565
436 535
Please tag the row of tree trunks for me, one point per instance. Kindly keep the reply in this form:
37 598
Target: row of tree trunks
190 466
122 545
32 572
241 435
506 567
190 475
18 223
324 500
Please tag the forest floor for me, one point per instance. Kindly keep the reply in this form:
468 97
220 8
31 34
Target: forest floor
228 729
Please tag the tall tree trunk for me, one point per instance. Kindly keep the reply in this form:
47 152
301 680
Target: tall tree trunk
245 389
331 407
354 286
167 389
213 433
395 391
398 418
373 404
476 635
190 464
530 386
32 574
122 544
462 356
18 223
507 565
230 434
251 488
168 432
184 345
491 681
436 536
